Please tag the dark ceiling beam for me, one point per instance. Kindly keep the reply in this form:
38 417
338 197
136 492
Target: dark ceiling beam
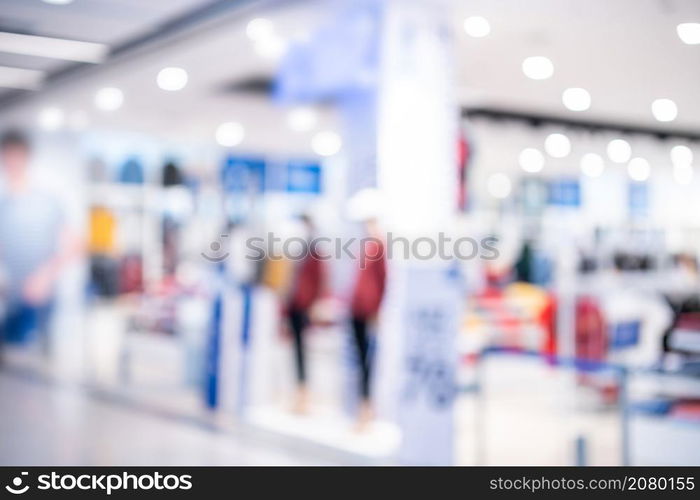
534 119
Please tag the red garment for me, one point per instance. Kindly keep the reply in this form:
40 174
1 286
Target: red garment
308 283
687 410
591 337
371 277
548 320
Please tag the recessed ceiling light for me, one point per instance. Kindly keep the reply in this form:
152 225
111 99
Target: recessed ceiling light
498 185
592 165
230 134
557 145
172 79
681 155
689 33
576 99
53 48
272 47
683 174
268 44
619 150
260 28
326 143
109 99
58 2
477 26
538 67
638 169
531 160
664 110
51 119
302 119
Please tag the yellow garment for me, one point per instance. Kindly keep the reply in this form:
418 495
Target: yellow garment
530 297
277 275
102 231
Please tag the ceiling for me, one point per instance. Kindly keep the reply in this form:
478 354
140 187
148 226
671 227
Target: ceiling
625 53
110 22
104 21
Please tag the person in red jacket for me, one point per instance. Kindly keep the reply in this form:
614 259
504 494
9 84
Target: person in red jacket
364 307
307 286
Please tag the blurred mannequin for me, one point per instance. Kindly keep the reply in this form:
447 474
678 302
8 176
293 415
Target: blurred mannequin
307 287
366 300
35 244
368 291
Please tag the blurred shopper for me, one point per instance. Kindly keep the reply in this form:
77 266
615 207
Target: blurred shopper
367 293
35 244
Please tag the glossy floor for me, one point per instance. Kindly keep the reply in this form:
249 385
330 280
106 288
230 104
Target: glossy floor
45 423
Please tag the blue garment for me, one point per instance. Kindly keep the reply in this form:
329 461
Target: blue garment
131 172
30 228
24 322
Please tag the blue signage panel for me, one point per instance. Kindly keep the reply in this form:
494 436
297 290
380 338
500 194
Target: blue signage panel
638 198
624 334
564 192
303 177
243 174
535 194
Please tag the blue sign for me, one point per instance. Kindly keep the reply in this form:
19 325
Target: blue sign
638 198
564 192
535 194
624 334
303 177
241 174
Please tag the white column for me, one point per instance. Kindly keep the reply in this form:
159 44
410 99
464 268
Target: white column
417 173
